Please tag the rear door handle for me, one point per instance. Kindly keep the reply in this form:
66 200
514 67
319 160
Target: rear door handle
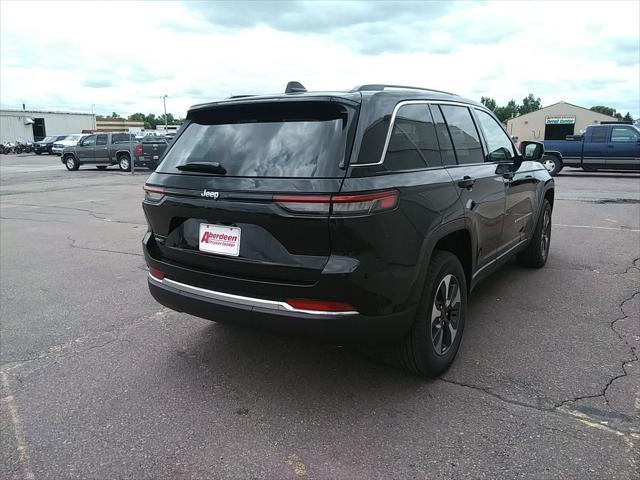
466 182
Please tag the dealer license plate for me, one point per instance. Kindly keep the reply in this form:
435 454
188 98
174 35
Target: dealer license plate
219 239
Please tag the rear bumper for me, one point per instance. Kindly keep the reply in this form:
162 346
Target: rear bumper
273 315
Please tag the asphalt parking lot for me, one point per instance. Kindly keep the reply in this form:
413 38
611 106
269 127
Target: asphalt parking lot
99 381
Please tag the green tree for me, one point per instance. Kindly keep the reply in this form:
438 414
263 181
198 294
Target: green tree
628 118
151 120
510 111
605 110
115 115
490 103
170 119
530 104
138 117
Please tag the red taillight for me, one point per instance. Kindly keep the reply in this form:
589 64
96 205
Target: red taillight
153 193
320 305
339 205
155 273
364 204
138 149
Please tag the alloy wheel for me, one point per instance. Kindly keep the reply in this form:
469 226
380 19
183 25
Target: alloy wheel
546 234
445 314
550 165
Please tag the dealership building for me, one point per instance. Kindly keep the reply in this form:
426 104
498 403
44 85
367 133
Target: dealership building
34 125
554 122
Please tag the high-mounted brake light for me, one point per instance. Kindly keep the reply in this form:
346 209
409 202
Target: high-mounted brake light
339 205
153 193
320 305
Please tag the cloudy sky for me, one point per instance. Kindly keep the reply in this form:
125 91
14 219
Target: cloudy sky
123 56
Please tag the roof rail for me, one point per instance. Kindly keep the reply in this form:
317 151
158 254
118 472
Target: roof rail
240 96
380 87
620 122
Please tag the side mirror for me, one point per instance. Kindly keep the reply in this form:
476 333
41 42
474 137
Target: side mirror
532 150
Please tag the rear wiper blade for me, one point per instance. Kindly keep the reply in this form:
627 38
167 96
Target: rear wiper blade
205 167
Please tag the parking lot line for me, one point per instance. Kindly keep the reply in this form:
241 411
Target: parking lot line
598 228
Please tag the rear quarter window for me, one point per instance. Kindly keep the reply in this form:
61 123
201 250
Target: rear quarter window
413 143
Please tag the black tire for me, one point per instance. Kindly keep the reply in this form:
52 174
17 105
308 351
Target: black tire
38 152
71 163
553 164
124 162
101 167
537 251
417 352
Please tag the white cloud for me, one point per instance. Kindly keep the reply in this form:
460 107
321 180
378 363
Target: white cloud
123 56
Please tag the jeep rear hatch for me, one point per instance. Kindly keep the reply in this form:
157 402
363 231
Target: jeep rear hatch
216 208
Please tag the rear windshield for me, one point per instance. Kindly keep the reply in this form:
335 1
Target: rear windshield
295 139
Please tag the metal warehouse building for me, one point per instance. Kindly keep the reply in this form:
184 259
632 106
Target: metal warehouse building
554 122
34 125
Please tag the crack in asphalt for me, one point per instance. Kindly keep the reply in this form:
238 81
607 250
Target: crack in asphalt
73 244
66 349
91 212
561 407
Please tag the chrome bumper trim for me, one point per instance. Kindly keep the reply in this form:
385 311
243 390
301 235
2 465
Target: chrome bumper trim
239 299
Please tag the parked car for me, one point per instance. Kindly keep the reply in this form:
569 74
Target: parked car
607 146
149 150
46 144
68 141
366 215
100 150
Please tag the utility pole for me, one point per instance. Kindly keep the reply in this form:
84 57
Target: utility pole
164 101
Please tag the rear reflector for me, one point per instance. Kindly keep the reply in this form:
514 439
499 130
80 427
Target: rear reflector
155 273
153 193
339 205
319 305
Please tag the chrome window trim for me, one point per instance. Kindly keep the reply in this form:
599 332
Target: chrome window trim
401 104
239 299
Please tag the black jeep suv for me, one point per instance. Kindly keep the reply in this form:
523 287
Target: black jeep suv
366 215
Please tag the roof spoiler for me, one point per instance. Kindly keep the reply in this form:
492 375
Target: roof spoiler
295 87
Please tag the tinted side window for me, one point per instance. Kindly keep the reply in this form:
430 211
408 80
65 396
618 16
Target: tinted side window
599 134
90 141
498 142
120 138
413 143
624 135
463 133
446 147
102 140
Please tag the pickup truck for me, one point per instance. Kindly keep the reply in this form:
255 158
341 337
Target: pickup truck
105 149
148 151
607 146
101 150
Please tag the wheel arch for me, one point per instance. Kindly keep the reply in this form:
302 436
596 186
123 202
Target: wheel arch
455 237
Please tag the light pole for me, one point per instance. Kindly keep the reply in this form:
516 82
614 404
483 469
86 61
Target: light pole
93 113
164 102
